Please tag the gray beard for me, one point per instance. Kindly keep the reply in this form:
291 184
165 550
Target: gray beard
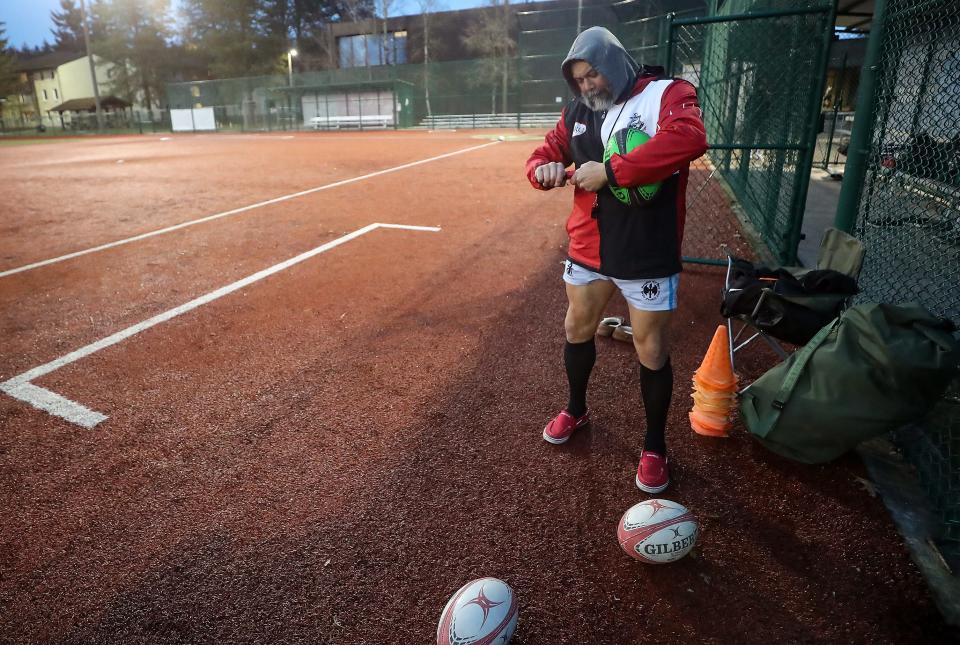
599 102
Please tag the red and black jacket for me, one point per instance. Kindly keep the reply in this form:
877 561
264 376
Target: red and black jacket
606 235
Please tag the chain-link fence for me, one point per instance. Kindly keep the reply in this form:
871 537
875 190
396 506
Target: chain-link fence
758 67
833 141
124 121
407 95
525 91
545 36
906 147
543 40
837 107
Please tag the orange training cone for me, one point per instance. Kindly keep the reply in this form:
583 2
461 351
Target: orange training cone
714 389
716 369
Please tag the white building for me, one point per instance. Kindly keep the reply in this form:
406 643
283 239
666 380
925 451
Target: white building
62 89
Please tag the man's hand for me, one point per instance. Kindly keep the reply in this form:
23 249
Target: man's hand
590 176
551 175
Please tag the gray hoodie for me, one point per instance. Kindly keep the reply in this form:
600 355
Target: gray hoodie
604 52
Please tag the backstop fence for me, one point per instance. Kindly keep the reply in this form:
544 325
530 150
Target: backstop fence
525 90
545 36
901 197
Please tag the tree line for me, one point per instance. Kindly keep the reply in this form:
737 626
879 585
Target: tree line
150 44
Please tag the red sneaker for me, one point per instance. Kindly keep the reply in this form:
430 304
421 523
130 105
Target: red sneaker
560 429
653 474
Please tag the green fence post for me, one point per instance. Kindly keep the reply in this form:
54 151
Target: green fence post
863 121
837 99
668 66
662 42
833 130
805 158
732 102
395 113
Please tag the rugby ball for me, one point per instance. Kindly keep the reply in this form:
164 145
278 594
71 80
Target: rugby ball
622 142
482 612
657 531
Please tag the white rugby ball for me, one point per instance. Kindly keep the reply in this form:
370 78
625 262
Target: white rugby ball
657 531
482 612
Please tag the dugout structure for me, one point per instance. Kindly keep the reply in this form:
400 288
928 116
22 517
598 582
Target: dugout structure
360 105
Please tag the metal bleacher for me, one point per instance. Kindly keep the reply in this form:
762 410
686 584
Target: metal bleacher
508 120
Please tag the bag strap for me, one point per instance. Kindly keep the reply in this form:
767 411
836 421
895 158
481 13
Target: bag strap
801 358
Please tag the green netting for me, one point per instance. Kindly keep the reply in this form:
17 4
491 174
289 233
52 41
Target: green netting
528 84
909 214
758 81
271 102
545 37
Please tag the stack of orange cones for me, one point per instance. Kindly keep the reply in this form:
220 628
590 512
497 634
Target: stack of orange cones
714 389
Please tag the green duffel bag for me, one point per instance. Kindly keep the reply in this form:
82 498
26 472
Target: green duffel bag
870 371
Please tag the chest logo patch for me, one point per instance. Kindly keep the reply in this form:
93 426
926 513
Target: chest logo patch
637 122
578 129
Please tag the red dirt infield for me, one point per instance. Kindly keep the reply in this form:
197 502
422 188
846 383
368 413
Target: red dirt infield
326 455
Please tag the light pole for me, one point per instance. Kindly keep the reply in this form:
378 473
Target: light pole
290 55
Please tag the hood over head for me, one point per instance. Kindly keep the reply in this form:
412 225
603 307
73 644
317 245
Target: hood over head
607 55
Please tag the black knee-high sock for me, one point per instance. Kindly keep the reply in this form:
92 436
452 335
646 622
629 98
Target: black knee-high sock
579 358
656 386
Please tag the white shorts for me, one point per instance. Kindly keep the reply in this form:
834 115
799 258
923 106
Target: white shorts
646 294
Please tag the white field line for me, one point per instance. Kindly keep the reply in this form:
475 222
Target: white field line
20 387
235 211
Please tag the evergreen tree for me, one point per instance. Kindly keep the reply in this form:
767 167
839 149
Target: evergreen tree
239 37
68 26
9 80
133 36
251 37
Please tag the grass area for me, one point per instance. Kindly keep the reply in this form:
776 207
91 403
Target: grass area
29 142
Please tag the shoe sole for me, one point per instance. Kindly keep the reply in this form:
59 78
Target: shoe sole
608 325
557 442
651 489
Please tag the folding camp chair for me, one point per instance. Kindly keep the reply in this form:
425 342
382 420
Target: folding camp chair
790 304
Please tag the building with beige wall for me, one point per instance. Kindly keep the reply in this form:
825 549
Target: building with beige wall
50 81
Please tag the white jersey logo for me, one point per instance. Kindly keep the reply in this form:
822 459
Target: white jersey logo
578 129
640 111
